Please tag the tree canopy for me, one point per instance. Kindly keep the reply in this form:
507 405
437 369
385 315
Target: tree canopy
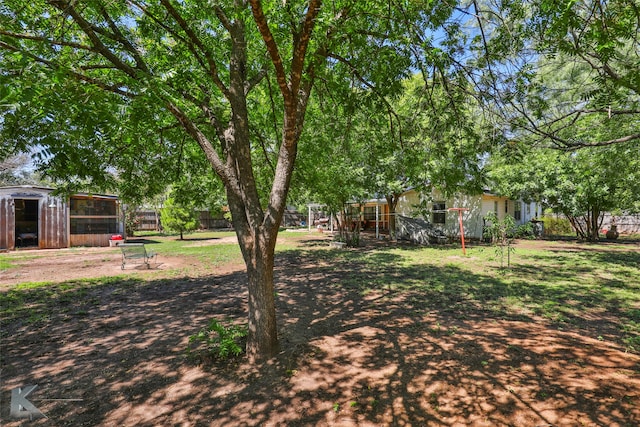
582 184
548 64
121 87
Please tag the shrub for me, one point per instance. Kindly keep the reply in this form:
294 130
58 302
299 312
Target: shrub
557 226
179 218
522 231
218 340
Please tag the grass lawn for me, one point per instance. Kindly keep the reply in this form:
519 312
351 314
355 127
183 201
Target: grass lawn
565 282
385 334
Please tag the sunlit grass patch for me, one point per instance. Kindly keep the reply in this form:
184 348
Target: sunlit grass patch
10 260
37 299
562 284
5 264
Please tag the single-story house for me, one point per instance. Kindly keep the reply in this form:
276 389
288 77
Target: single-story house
32 216
442 214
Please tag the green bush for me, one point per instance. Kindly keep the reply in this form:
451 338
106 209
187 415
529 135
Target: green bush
522 231
218 340
557 226
178 218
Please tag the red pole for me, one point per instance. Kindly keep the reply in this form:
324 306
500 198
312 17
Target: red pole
464 251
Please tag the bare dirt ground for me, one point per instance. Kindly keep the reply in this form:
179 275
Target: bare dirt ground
59 265
115 356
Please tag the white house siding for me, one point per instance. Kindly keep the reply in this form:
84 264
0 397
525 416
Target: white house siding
406 203
472 219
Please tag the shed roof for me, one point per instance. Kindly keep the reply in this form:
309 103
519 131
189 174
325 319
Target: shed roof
20 190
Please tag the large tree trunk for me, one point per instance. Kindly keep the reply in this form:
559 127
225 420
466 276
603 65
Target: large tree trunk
262 341
257 243
257 226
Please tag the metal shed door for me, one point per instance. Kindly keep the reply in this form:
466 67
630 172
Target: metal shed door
54 232
7 224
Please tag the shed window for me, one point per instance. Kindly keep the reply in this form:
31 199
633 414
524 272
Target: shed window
92 207
93 225
93 216
439 213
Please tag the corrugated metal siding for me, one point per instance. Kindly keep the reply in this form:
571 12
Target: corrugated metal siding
90 239
53 224
53 219
7 224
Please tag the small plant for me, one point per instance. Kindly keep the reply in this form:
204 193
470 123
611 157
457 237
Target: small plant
219 340
498 232
556 226
632 343
433 400
523 231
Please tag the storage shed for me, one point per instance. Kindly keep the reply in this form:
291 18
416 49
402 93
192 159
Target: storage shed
32 216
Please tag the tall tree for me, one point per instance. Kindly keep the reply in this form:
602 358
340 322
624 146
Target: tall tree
16 169
103 85
522 46
332 167
582 184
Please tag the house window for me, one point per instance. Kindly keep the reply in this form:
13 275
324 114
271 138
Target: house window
506 206
517 211
370 213
439 213
495 207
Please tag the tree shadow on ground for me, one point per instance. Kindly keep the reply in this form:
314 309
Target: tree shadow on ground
439 347
145 240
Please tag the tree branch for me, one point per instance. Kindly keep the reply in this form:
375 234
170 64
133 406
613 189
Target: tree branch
119 37
66 7
195 41
302 44
571 146
51 42
252 82
113 88
205 144
272 48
